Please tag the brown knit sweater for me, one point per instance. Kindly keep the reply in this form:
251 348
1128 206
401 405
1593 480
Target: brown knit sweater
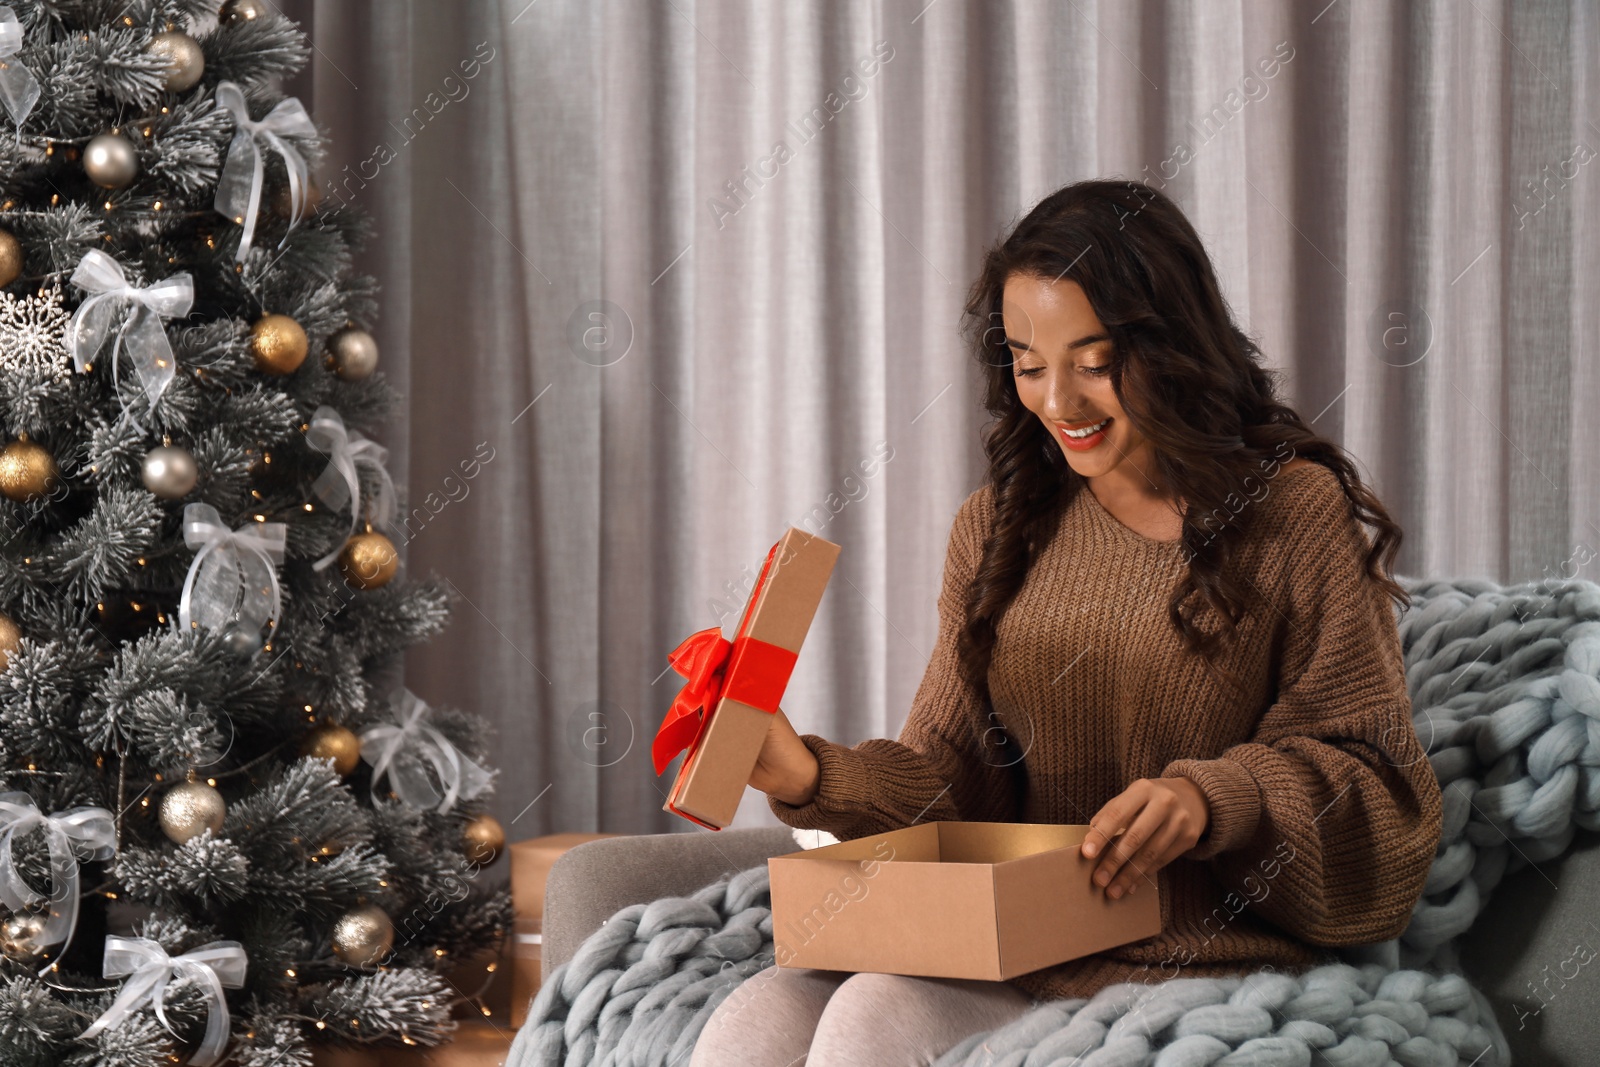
1325 812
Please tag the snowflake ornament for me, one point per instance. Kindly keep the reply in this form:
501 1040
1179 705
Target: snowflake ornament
33 332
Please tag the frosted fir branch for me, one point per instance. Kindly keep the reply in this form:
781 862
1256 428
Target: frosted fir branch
185 149
33 1023
197 665
266 1039
205 871
171 733
54 238
392 1004
302 808
394 617
35 400
39 694
138 1041
97 553
253 53
322 886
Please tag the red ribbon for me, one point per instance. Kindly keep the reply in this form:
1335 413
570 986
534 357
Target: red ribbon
745 669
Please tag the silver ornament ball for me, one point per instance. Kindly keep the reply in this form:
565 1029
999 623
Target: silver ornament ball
185 61
363 936
353 353
241 643
190 808
240 11
169 472
110 161
21 936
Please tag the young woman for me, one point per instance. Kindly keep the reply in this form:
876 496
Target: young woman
1161 616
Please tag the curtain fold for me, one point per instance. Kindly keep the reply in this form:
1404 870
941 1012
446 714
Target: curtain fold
661 279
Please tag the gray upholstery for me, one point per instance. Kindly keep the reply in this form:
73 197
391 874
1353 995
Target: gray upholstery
591 882
1535 952
1529 952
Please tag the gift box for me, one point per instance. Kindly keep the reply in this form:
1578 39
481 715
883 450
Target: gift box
987 900
721 715
473 1045
524 953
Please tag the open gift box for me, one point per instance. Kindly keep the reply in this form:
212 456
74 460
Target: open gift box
988 900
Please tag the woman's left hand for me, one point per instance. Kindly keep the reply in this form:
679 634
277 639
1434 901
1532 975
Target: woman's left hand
1163 819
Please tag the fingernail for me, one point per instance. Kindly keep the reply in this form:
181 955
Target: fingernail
1116 891
1102 877
1089 849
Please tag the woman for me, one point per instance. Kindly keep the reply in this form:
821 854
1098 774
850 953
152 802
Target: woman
1161 616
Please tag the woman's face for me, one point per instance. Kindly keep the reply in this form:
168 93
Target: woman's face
1061 361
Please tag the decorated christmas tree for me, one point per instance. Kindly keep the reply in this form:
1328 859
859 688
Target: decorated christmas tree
226 831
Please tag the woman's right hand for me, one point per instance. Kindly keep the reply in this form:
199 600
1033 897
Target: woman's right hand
786 768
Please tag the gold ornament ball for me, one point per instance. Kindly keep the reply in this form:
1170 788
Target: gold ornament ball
483 839
110 161
10 639
353 354
368 560
278 344
190 808
21 936
332 741
241 11
363 936
27 470
185 61
10 258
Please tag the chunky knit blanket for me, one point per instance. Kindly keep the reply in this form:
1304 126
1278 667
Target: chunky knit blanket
1505 687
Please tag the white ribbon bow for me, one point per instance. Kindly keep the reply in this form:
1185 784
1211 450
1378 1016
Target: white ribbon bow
19 89
340 482
77 834
148 969
233 577
135 314
400 749
239 188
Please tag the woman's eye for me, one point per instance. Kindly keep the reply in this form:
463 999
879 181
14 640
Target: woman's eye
1030 372
1104 368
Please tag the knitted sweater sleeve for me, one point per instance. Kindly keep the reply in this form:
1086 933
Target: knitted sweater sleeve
1329 816
941 768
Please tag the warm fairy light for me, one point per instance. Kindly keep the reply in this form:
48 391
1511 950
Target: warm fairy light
382 883
308 707
256 493
146 131
163 111
141 561
355 1022
157 207
490 968
31 767
321 1025
308 507
212 782
158 776
110 895
145 803
261 518
407 1039
290 972
486 1009
438 952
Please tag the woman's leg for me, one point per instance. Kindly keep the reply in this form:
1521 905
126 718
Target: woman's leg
891 1020
767 1020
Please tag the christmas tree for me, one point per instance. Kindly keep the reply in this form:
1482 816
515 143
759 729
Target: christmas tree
226 832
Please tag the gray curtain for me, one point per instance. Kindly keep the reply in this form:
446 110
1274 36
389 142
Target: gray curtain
654 339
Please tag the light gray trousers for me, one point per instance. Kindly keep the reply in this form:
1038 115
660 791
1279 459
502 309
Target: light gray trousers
788 1016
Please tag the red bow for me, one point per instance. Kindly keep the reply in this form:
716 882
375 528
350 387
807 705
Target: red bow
701 658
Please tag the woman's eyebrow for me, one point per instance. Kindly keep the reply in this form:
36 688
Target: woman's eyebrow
1081 342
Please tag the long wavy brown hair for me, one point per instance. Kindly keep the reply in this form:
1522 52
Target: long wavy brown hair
1188 379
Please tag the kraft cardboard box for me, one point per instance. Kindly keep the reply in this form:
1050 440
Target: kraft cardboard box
712 778
530 868
985 900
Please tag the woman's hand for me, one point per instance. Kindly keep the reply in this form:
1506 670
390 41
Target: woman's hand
1162 818
786 768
